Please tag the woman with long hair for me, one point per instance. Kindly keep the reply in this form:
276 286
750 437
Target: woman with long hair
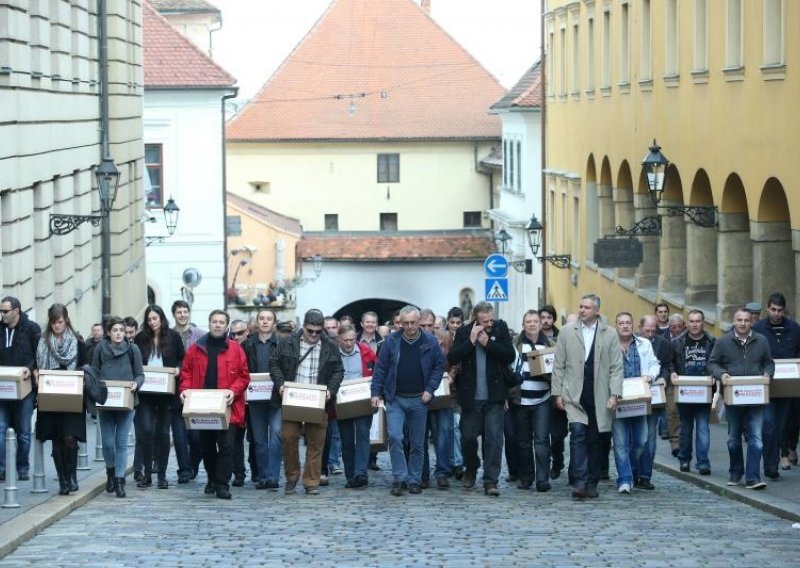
160 346
116 358
61 348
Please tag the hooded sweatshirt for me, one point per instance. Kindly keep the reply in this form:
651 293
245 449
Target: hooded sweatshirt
113 362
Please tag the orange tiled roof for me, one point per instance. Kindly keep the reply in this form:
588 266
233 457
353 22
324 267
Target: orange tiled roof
172 61
403 246
403 75
527 93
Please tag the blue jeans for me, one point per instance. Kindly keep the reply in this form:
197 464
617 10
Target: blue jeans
355 446
630 438
335 441
400 412
739 419
644 468
533 438
443 444
115 425
458 457
19 415
585 452
180 438
265 420
485 420
695 415
776 417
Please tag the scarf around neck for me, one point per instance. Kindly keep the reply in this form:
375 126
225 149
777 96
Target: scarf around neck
56 354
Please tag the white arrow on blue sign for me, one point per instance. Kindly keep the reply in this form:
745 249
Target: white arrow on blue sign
495 266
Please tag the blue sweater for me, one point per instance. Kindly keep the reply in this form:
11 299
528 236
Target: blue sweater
784 338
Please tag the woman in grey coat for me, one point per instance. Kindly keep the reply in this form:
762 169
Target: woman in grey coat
119 360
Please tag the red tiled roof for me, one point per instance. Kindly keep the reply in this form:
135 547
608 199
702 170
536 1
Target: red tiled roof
423 246
172 61
402 74
527 93
264 215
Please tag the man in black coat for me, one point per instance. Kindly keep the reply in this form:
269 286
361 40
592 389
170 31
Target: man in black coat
483 348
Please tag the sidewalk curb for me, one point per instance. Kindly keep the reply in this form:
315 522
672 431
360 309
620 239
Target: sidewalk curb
27 525
735 493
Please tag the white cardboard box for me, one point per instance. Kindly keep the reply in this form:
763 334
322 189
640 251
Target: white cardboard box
354 398
693 390
12 385
743 391
540 361
786 380
60 391
206 409
303 403
120 396
629 409
260 387
441 396
635 398
159 380
378 437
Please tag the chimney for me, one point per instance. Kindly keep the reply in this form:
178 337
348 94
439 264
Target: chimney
426 6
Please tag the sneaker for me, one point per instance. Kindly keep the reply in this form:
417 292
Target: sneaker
733 481
398 489
785 463
704 471
312 491
542 486
323 481
772 474
414 489
335 470
685 467
645 484
625 489
755 485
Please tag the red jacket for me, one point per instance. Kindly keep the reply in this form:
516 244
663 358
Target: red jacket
232 373
368 360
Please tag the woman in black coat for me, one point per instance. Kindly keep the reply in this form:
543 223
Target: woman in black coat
61 348
160 347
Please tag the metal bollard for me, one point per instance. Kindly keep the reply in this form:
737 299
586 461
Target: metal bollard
10 491
39 484
83 458
98 441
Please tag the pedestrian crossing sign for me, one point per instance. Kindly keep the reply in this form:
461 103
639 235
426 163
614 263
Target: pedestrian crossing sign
496 289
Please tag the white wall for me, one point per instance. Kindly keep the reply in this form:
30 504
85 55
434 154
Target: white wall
189 125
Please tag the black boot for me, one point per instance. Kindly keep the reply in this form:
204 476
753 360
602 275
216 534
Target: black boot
145 481
58 460
110 483
71 461
119 486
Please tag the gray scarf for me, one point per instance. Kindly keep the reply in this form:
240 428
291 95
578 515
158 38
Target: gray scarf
55 353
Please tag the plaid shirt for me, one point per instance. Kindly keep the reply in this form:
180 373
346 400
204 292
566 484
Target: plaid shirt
308 369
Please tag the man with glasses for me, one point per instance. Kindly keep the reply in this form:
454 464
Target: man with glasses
20 337
239 331
409 370
309 357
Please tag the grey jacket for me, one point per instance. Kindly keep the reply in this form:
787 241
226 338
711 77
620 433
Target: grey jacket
730 356
113 363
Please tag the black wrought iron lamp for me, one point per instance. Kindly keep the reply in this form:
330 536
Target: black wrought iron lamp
171 212
107 175
534 229
523 265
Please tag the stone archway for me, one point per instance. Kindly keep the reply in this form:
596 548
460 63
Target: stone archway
646 277
623 208
734 250
591 208
605 200
385 309
771 233
701 271
672 260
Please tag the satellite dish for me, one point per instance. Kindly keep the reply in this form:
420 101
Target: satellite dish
192 277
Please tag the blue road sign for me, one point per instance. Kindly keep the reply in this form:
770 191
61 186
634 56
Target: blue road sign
496 289
495 266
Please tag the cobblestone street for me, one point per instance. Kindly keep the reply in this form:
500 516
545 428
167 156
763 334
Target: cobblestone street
678 524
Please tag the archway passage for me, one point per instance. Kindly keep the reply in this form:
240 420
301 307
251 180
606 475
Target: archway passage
383 307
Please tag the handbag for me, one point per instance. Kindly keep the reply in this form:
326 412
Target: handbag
94 388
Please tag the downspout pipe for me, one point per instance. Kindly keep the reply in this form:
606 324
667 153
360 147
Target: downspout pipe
225 98
543 127
105 153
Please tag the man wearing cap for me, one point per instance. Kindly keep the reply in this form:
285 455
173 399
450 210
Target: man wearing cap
755 311
309 357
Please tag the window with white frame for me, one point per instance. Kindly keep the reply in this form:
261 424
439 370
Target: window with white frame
576 58
774 50
518 151
550 66
646 63
606 54
562 61
734 44
671 38
154 183
590 54
700 62
624 44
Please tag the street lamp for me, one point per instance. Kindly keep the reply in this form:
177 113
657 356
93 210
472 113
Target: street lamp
107 175
171 212
502 237
655 166
535 229
523 265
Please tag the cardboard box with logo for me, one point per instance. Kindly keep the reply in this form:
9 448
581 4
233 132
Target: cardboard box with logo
693 390
159 380
658 395
747 390
260 387
206 409
303 403
786 380
378 437
120 396
12 384
354 398
60 391
635 398
441 396
540 361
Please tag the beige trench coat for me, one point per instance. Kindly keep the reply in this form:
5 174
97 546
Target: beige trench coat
568 372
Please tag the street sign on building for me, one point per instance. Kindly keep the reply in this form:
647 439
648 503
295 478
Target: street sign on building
496 289
495 266
615 253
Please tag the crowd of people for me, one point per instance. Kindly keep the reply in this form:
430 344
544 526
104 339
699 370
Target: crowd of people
495 403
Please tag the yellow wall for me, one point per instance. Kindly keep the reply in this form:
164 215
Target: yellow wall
438 182
715 122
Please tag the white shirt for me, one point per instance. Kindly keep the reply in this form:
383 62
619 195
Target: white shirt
588 338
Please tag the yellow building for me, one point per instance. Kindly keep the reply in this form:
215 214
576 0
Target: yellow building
713 82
